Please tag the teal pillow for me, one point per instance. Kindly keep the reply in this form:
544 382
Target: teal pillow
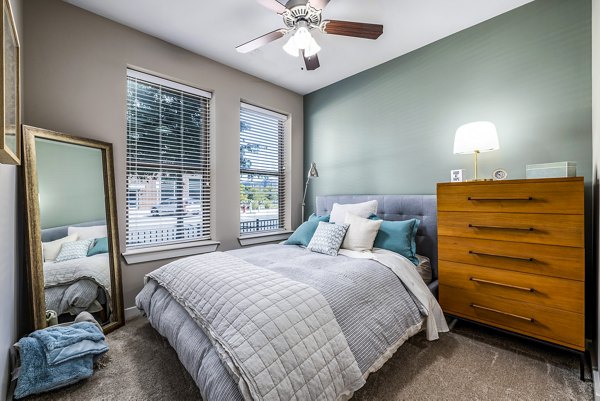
100 246
305 232
398 236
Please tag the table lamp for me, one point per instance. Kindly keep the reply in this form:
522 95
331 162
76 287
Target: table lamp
474 138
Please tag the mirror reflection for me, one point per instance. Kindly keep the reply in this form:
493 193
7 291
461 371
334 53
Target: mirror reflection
74 235
11 82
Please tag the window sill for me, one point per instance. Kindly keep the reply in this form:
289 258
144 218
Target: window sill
134 256
263 238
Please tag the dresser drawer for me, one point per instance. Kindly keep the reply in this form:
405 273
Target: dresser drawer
554 292
547 260
550 229
562 327
547 196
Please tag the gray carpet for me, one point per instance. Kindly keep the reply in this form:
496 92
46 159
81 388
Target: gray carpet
470 363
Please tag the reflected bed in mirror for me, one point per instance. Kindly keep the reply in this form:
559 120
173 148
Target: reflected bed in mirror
72 229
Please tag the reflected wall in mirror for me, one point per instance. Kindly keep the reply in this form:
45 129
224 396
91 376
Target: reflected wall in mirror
10 131
72 229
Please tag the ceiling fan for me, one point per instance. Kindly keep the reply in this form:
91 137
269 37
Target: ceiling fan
301 17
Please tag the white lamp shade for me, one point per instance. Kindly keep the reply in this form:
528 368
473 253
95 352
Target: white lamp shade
480 136
302 40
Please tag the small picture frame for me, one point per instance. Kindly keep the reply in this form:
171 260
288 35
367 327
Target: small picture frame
457 175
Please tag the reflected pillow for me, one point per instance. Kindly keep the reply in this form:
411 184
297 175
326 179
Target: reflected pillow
100 246
364 209
305 232
74 250
399 237
92 232
361 233
328 238
51 249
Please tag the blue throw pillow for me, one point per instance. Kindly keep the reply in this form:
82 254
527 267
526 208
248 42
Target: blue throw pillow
305 232
398 236
100 246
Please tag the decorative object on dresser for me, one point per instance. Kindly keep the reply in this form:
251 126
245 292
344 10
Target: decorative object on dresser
512 256
474 138
457 175
10 132
499 174
551 170
312 173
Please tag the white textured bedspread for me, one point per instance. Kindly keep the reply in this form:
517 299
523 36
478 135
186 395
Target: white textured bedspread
279 338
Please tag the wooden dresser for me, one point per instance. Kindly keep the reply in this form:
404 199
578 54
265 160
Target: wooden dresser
511 255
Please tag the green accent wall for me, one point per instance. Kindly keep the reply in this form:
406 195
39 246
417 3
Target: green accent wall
71 183
390 129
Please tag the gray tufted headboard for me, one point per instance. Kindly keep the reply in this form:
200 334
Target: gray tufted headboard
398 207
54 233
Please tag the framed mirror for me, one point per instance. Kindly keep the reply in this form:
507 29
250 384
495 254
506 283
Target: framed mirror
10 134
72 235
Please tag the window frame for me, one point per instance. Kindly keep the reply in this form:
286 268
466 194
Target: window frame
283 210
157 250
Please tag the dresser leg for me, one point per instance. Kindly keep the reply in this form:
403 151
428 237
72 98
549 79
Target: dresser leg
452 324
582 361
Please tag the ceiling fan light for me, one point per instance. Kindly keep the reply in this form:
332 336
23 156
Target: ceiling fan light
291 48
312 48
303 37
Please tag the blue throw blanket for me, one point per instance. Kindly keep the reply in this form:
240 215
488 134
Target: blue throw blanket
58 356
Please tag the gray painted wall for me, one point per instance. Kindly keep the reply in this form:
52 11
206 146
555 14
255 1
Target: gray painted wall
75 82
391 129
11 272
71 183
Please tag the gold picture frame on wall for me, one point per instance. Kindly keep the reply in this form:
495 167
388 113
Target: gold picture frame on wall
10 110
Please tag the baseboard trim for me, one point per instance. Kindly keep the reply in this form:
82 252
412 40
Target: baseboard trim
132 313
596 380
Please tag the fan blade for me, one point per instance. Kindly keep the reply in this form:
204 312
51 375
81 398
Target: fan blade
354 29
318 4
261 41
312 62
273 5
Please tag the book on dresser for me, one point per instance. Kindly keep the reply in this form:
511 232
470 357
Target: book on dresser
511 255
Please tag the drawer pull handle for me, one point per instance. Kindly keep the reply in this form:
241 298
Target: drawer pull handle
528 319
516 287
523 198
501 227
501 256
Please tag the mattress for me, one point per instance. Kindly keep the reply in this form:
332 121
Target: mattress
375 323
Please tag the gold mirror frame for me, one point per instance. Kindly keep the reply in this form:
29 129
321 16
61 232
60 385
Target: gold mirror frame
8 155
33 224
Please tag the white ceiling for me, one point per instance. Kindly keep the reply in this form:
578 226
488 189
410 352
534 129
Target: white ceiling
214 28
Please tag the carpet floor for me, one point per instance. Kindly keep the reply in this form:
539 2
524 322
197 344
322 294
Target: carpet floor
469 363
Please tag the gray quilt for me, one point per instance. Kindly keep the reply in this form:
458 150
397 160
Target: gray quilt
374 323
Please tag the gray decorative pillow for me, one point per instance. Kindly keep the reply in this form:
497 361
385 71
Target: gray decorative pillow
328 238
74 250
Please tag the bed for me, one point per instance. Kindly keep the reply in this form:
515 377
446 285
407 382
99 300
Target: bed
371 325
77 285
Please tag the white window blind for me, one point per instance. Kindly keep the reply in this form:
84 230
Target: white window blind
262 170
168 162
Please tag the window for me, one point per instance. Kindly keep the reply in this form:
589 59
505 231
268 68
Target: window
262 170
168 162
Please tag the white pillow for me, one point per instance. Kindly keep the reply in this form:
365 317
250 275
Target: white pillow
92 232
365 209
361 233
51 249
